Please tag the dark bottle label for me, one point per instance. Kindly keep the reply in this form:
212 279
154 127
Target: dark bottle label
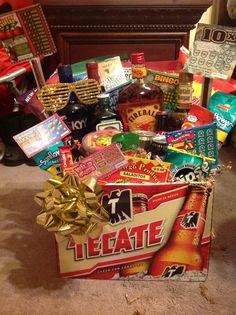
78 127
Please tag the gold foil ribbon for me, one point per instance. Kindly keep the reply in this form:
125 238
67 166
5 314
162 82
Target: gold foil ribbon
71 208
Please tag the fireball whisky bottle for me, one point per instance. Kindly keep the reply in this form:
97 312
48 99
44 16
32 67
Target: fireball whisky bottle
182 251
140 101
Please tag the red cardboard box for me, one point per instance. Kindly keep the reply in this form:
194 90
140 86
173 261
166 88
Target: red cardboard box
156 232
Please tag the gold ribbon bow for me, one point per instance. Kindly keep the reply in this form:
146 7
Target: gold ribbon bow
70 208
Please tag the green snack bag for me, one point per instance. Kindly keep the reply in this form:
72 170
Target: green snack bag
49 156
187 167
223 106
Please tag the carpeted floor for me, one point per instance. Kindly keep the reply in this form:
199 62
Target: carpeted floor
28 276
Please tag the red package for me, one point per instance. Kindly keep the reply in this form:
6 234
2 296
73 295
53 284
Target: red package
139 171
197 116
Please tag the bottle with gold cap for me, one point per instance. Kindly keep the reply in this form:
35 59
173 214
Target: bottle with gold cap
182 252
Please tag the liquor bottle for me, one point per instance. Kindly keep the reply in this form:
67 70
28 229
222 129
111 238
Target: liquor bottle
106 118
140 101
182 251
184 100
75 113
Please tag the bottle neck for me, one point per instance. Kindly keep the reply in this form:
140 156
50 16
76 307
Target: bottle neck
197 199
104 103
73 98
92 71
65 74
185 91
190 223
139 71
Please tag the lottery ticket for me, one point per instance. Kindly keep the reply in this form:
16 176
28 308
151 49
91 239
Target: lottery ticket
42 135
200 140
214 52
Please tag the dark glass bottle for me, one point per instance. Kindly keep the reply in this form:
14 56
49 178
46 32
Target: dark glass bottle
140 101
162 122
75 113
106 118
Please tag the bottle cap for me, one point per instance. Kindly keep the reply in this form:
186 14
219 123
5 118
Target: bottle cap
103 96
137 58
104 99
92 70
65 73
91 65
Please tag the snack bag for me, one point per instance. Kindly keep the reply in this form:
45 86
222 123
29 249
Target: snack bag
197 116
223 106
128 141
187 167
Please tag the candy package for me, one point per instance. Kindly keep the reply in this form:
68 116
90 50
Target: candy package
49 156
223 106
68 156
98 140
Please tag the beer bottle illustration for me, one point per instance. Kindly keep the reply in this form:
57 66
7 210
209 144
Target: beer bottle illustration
182 251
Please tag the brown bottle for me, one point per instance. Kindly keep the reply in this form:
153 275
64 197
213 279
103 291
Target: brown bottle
184 100
182 251
140 102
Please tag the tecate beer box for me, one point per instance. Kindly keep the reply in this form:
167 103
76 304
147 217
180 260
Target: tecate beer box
155 232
